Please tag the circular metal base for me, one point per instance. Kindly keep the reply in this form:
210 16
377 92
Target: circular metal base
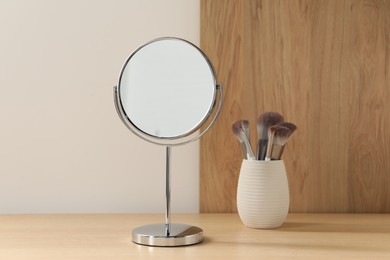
156 235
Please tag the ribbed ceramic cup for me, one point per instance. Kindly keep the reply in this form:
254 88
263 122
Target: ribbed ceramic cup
262 194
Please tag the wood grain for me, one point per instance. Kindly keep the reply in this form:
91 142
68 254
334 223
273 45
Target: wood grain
325 65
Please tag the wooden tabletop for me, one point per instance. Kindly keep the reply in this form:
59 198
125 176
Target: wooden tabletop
302 236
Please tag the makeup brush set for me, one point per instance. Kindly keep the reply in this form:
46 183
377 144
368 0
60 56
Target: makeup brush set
273 134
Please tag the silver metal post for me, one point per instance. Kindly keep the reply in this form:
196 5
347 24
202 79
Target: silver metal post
168 191
168 234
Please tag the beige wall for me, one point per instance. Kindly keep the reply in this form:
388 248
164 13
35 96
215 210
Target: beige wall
62 146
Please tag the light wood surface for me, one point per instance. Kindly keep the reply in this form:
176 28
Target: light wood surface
302 236
325 65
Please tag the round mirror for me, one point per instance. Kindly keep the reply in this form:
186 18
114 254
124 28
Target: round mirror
167 89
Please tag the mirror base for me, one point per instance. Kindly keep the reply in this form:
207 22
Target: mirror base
155 235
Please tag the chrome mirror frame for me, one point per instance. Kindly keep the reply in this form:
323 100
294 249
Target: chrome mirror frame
185 138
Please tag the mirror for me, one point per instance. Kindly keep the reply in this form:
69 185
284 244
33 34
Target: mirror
167 95
167 88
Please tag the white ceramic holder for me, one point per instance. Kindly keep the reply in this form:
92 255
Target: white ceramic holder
262 194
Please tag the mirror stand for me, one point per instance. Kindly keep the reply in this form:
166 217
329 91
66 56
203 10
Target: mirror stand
154 104
168 234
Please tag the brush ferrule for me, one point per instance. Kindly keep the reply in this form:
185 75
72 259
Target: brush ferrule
277 151
244 150
261 149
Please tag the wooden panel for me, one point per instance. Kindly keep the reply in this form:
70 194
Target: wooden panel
324 65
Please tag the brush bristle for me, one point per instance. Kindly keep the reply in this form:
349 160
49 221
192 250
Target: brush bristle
237 130
245 124
245 127
272 130
265 121
288 125
282 134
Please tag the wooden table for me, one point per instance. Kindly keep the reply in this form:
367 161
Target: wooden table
303 236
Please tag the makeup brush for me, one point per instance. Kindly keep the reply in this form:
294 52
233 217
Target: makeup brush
281 137
277 150
264 122
276 135
236 128
242 137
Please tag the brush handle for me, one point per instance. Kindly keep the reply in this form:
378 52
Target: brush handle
244 151
249 150
261 149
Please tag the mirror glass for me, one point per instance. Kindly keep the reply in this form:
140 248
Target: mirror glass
167 88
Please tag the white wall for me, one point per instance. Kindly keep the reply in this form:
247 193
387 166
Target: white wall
63 149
